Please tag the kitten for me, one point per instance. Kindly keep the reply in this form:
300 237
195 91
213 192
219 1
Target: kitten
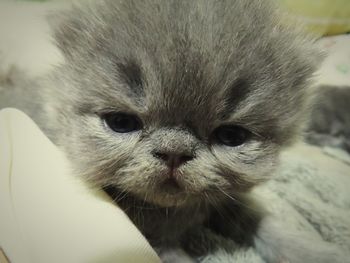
177 109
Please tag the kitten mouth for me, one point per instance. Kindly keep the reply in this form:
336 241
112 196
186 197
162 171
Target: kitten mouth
171 183
171 186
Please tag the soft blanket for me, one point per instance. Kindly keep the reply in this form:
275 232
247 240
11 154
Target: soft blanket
310 193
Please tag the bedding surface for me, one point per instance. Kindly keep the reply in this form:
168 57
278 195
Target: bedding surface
310 193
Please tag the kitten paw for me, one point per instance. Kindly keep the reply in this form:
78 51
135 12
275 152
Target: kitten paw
175 255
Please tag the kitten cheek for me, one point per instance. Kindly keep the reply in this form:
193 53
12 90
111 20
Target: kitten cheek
246 153
247 166
108 151
250 153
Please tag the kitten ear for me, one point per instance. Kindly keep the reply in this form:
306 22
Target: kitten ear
66 31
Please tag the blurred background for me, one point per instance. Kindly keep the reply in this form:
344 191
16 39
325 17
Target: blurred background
24 33
324 17
330 20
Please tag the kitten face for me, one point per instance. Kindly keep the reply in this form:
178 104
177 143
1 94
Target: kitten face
217 88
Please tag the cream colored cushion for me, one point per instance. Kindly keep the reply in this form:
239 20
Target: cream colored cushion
48 215
325 17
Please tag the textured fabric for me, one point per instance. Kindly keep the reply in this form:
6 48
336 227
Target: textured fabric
47 215
325 17
309 193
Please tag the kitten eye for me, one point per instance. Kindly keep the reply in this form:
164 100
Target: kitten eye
122 122
231 135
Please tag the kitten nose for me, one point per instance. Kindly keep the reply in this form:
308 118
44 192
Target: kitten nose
173 160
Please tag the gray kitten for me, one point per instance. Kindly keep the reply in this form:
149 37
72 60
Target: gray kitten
177 109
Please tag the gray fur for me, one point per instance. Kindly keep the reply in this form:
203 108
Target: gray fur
330 119
185 68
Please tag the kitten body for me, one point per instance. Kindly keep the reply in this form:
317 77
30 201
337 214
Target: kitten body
185 69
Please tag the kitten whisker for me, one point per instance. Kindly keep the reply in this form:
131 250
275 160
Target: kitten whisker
237 201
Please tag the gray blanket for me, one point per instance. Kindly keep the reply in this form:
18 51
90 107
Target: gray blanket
310 193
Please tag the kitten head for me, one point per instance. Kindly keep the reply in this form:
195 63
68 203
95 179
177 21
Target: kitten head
176 102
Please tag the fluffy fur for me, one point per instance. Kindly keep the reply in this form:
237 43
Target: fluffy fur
330 120
184 68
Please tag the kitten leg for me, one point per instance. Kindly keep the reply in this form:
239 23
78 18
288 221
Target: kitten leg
276 244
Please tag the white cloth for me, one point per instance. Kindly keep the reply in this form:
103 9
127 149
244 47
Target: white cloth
48 215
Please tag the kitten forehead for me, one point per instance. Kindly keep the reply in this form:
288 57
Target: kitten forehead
189 61
130 72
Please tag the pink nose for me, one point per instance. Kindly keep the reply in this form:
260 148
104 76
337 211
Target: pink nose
173 160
